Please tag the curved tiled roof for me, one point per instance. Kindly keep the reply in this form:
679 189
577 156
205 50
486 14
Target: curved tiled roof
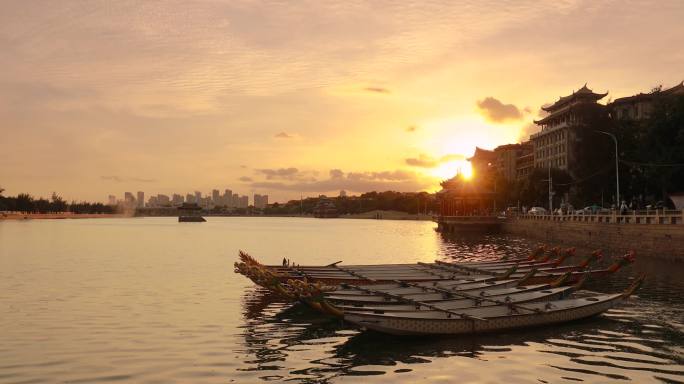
584 92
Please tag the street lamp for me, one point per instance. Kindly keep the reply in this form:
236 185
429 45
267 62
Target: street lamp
617 173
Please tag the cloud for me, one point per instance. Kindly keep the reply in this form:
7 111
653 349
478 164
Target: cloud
336 173
377 90
412 128
246 179
397 180
279 173
426 161
423 161
120 179
283 135
496 111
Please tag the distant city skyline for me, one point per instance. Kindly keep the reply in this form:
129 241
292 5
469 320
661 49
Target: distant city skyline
212 199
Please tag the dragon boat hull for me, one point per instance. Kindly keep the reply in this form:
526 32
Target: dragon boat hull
495 320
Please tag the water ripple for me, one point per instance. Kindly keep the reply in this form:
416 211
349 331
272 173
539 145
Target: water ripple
165 309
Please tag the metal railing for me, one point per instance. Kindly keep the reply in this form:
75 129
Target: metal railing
663 217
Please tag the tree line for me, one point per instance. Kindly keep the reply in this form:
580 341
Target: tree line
26 203
409 202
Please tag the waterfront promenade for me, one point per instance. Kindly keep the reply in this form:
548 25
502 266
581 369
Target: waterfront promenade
658 234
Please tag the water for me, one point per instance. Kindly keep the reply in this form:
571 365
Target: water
154 301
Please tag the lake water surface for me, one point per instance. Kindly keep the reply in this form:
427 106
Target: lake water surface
151 300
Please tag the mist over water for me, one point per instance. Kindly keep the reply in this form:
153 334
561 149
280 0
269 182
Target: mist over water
151 300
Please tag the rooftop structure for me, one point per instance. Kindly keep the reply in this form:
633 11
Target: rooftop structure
325 208
640 106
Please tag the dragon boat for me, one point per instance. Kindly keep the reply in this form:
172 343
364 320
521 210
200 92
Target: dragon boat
538 268
502 316
445 297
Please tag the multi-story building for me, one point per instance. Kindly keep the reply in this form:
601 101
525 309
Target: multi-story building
228 198
235 201
640 106
511 161
216 197
129 199
244 202
507 158
198 197
111 200
177 200
524 164
141 199
553 145
190 198
260 201
163 200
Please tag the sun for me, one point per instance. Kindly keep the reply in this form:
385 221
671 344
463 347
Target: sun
449 169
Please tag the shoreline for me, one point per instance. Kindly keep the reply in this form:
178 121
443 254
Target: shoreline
56 216
371 215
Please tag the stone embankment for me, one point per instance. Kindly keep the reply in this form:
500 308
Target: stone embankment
653 235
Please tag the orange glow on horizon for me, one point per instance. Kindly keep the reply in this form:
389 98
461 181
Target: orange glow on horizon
452 168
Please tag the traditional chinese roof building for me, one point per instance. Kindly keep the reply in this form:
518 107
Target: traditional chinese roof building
325 208
482 161
553 145
640 106
466 197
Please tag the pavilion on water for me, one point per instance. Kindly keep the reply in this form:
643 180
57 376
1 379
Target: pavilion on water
463 197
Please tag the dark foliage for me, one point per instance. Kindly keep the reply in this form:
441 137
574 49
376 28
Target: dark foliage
409 202
25 203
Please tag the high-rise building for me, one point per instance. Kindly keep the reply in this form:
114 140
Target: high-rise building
198 197
163 200
129 200
190 198
244 201
141 199
235 201
216 197
228 198
177 200
260 201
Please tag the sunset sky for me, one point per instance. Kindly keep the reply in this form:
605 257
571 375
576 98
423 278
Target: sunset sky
299 98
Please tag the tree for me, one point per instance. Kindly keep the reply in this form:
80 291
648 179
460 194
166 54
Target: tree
24 203
57 203
652 151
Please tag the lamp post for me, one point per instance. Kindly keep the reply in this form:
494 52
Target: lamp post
617 172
